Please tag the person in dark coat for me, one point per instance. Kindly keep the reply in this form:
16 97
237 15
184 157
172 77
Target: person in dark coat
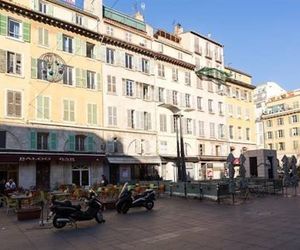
104 181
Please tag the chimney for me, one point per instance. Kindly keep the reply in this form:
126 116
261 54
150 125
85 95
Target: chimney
94 7
139 16
178 29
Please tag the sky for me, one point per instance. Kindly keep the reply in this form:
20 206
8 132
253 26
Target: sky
260 37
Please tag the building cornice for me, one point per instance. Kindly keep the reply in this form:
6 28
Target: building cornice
37 16
240 83
237 71
279 114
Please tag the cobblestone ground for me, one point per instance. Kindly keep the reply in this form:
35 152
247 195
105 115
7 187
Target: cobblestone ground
270 222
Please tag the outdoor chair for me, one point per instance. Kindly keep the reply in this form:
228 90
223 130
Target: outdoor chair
11 205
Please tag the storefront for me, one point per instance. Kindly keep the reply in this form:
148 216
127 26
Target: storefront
50 170
137 168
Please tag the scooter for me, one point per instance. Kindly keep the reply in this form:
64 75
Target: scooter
126 200
65 212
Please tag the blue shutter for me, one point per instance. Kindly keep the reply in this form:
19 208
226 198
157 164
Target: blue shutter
53 141
90 143
72 142
33 140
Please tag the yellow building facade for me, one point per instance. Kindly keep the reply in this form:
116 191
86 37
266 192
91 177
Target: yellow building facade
281 120
50 118
240 111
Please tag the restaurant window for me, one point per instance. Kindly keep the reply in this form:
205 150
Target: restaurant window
2 139
42 141
80 175
79 142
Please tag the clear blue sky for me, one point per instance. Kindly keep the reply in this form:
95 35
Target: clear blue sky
261 37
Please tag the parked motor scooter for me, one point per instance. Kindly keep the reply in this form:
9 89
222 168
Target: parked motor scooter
126 200
65 212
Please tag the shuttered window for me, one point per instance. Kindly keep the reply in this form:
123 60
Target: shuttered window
43 107
14 63
14 103
68 110
112 116
163 122
92 114
43 37
111 84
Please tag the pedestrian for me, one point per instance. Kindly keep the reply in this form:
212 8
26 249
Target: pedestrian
104 181
10 185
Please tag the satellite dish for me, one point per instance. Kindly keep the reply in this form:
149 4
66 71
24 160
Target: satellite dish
143 6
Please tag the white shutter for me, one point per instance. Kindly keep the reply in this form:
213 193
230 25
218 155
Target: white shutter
194 127
149 121
152 67
169 96
109 115
129 123
124 86
115 116
182 100
138 148
142 120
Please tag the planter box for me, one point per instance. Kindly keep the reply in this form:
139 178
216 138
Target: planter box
29 213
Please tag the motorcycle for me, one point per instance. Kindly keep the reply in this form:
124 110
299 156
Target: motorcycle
126 200
64 212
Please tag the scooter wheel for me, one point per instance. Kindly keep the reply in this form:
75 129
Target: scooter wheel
58 224
149 205
124 208
99 217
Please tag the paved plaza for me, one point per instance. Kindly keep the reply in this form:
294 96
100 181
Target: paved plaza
271 222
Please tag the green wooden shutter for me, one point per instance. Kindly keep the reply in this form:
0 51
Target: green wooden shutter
3 25
98 81
94 114
78 77
90 143
72 142
83 48
46 108
46 37
53 141
89 113
50 10
2 61
33 140
59 41
26 32
78 47
33 68
40 36
36 4
84 78
40 113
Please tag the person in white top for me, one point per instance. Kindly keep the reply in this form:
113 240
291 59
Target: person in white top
10 185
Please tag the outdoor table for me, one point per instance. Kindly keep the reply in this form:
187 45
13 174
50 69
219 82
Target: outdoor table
59 194
20 197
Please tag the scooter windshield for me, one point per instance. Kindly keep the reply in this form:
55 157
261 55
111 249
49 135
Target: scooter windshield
124 188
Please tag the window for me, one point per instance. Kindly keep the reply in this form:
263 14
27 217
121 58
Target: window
145 66
129 88
220 105
210 106
43 38
128 37
175 97
189 128
280 133
294 118
201 149
128 61
42 7
187 78
130 117
68 76
210 86
14 103
161 70
199 103
239 112
239 133
80 176
295 132
14 63
161 96
112 116
269 135
67 44
196 45
270 145
146 91
42 70
280 121
296 105
43 107
295 145
212 129
110 56
199 83
90 50
90 84
188 100
163 122
163 146
175 74
247 113
197 63
111 84
2 139
92 114
281 146
14 28
201 128
269 123
79 142
180 55
221 131
78 19
42 141
147 121
230 109
237 93
69 110
248 134
231 132
109 30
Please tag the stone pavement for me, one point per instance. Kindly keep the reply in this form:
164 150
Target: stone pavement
271 222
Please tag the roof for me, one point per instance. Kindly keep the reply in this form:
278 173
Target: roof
206 38
238 71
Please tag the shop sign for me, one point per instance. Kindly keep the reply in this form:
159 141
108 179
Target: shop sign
32 158
67 159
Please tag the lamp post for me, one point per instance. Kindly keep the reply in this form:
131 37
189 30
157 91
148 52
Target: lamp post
178 162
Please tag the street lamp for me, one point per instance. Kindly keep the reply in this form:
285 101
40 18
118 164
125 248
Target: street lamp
180 161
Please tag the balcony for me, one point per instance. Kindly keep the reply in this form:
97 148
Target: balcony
213 73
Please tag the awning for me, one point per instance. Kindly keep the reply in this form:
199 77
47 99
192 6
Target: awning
212 158
22 156
134 160
165 158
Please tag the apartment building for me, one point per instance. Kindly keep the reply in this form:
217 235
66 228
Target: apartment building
240 111
51 93
281 124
